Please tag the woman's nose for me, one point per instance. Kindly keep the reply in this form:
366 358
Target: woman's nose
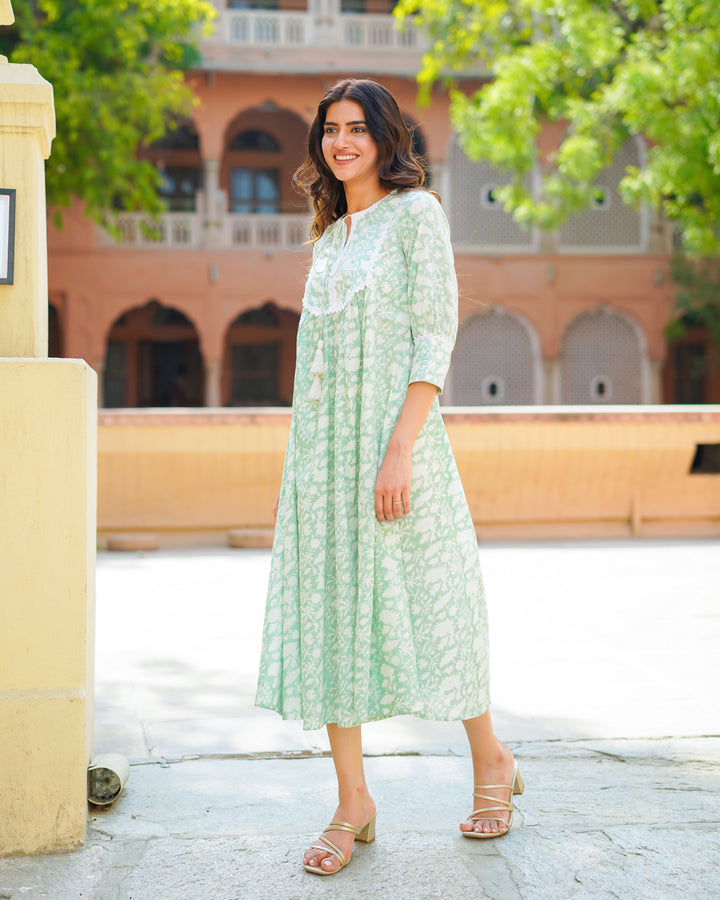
341 138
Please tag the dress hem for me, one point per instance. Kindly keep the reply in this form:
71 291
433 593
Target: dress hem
291 717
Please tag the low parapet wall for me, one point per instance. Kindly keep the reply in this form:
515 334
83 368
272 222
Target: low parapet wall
531 472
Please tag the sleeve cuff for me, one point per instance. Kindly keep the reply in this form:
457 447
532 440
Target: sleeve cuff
431 360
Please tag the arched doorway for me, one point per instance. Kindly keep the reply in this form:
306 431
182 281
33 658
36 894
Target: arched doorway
260 357
153 359
496 362
602 359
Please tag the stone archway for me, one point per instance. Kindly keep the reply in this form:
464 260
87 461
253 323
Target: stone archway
496 362
259 359
603 360
263 147
153 358
477 218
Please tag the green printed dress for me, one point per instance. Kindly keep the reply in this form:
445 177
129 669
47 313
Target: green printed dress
366 621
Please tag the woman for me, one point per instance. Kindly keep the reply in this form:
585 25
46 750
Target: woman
375 605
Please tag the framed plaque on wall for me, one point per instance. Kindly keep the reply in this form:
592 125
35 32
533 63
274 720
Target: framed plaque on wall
7 234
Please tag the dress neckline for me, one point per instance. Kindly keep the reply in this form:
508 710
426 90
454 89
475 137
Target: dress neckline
361 212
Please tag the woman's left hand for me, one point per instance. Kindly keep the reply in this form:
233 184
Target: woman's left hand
392 486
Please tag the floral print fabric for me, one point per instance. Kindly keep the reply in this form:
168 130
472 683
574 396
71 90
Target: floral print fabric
366 621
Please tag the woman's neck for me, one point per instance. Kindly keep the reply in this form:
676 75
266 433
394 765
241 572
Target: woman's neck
362 196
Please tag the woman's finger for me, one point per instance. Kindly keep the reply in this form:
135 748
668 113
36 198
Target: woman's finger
379 507
397 507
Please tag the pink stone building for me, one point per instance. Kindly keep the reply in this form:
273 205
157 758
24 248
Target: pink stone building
201 308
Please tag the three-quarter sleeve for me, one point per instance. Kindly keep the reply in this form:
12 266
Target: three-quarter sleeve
432 287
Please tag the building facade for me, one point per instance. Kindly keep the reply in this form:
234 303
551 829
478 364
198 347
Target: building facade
200 308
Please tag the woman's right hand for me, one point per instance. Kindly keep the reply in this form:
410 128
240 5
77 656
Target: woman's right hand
275 509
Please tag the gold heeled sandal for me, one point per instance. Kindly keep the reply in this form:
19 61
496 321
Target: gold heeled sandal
365 833
517 787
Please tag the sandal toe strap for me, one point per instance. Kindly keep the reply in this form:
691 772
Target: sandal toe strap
327 846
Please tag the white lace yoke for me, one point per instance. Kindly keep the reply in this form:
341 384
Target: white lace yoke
343 265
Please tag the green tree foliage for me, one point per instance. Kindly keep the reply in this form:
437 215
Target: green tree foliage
117 70
698 298
607 70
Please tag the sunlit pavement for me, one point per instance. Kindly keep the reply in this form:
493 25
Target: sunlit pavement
606 671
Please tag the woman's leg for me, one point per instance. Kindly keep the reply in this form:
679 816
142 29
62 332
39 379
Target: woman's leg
492 764
355 803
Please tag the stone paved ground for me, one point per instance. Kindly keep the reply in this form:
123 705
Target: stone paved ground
606 669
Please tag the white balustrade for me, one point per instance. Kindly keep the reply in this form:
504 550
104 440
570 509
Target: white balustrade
272 28
380 33
266 28
255 231
141 230
241 231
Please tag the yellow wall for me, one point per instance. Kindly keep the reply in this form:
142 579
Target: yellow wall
536 472
47 529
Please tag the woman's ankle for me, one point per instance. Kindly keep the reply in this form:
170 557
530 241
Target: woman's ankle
495 755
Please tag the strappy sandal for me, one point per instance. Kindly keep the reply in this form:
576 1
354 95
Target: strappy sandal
517 787
365 833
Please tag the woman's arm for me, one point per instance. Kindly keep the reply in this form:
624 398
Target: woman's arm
393 480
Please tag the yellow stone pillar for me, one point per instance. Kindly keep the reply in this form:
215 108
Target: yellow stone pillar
48 428
26 129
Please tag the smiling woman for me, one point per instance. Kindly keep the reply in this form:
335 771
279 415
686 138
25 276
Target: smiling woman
375 604
354 120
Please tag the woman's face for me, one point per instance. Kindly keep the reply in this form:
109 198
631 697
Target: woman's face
348 149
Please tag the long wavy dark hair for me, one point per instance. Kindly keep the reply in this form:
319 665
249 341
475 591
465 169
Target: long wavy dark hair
399 169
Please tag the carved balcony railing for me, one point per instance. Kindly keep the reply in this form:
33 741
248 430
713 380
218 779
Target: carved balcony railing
240 231
271 28
140 230
265 232
254 28
379 33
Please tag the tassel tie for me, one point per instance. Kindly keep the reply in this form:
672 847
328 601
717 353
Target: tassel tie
318 372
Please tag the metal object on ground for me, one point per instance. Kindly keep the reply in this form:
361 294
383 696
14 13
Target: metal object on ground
107 775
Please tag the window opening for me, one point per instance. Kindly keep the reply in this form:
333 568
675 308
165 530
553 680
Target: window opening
706 460
375 7
178 187
488 197
601 389
252 4
183 137
254 374
255 191
601 198
492 389
254 139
